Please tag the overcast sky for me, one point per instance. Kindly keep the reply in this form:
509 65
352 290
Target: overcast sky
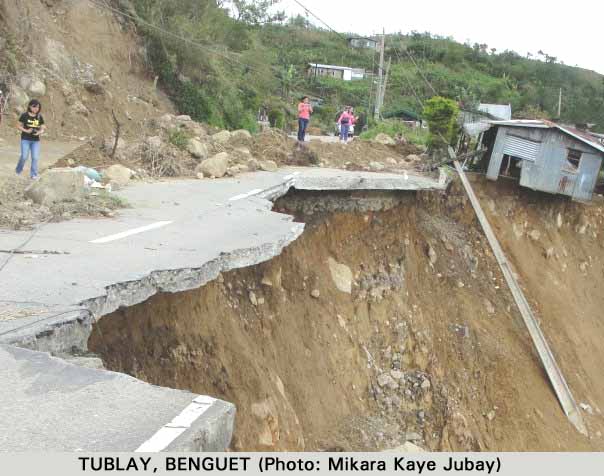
571 31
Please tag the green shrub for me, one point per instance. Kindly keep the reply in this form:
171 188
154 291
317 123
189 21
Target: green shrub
441 114
392 128
178 138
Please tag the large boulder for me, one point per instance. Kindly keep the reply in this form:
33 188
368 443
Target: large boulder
215 166
57 185
384 139
37 88
241 136
118 175
268 166
197 149
166 121
19 99
221 137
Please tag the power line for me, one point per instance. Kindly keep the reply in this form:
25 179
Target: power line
328 27
204 46
277 73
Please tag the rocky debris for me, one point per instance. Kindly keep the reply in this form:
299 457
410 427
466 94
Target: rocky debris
183 118
253 164
166 121
413 436
241 136
408 447
197 149
413 158
315 293
489 307
215 166
376 166
549 253
268 166
396 374
559 220
375 286
57 185
341 275
221 137
78 108
384 139
392 162
117 175
19 99
535 235
154 143
37 88
385 380
94 87
491 415
432 256
253 298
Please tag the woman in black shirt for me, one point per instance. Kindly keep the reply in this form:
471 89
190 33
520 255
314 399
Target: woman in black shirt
31 125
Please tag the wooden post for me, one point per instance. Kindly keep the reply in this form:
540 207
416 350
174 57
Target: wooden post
118 127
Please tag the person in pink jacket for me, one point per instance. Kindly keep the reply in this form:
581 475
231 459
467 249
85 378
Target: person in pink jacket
304 112
345 121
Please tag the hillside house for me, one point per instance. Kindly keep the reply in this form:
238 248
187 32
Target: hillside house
544 156
339 72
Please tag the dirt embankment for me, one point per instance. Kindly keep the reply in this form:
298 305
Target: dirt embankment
427 346
82 61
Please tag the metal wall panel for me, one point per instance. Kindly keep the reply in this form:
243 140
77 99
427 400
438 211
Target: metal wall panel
522 148
589 168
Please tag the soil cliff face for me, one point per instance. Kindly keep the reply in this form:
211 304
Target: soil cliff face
82 61
385 325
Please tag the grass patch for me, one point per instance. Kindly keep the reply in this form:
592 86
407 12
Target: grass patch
178 138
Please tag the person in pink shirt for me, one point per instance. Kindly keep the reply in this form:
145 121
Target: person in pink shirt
304 112
345 121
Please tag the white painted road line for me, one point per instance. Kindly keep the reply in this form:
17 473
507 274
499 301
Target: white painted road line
245 195
134 231
181 423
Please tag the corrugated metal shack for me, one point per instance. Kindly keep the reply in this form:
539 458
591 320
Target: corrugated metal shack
544 156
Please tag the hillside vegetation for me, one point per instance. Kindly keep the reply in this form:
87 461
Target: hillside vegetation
222 68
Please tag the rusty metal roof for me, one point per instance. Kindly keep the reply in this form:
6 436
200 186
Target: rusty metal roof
543 124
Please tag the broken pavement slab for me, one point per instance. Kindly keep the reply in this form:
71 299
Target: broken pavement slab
53 405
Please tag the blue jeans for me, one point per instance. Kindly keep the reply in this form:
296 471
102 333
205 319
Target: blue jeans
344 129
302 125
28 146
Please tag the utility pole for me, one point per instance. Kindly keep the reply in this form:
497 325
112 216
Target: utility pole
560 104
378 94
383 92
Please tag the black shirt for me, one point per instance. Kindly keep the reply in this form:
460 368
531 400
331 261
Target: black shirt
30 122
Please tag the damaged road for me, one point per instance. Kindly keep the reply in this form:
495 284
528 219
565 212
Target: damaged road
177 236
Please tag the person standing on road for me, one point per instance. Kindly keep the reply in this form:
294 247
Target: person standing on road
344 121
304 112
31 125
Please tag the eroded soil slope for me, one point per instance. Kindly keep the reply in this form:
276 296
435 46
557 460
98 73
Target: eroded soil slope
420 342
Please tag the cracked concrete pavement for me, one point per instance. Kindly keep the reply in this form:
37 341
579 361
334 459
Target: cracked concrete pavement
177 235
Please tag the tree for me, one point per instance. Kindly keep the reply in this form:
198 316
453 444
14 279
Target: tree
254 12
441 114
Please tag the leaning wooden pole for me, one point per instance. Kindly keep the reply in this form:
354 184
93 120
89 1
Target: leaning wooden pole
545 354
